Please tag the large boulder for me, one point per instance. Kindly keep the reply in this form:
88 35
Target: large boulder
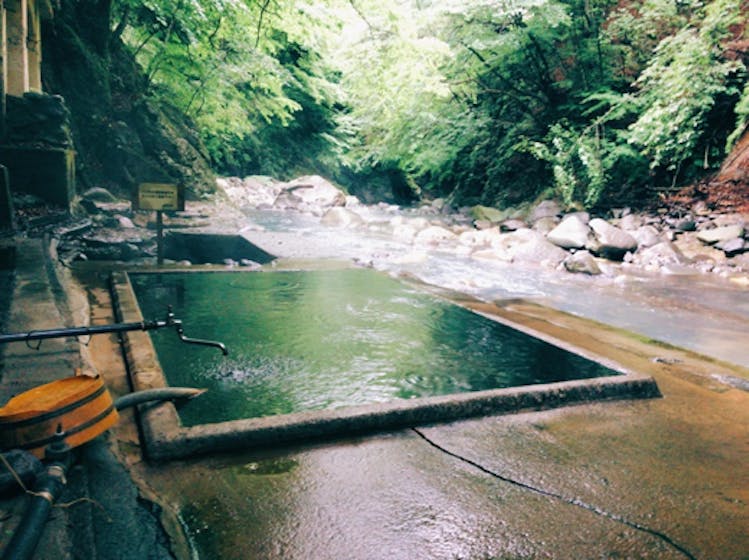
609 241
537 251
310 193
572 233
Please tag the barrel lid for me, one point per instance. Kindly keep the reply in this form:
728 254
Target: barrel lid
49 397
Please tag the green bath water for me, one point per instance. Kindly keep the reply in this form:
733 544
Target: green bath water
303 341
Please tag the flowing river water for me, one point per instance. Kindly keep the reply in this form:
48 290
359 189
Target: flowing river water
700 312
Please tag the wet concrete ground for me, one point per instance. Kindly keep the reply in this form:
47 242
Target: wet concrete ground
664 478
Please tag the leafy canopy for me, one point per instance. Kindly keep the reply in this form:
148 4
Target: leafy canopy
491 101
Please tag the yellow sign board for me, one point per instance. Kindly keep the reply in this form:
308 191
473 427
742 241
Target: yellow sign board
159 196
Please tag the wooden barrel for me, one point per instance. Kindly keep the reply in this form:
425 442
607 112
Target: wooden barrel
80 405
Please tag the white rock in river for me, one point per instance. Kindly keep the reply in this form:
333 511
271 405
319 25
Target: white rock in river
572 233
609 241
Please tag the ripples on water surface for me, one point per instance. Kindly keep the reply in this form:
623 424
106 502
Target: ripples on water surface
700 312
324 339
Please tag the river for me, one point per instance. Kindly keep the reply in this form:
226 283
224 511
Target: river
701 312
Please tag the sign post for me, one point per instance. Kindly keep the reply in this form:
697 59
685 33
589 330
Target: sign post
160 197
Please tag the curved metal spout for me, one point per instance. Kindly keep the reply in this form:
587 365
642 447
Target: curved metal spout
181 333
220 345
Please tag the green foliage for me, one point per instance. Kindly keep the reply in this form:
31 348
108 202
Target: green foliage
488 101
680 87
247 73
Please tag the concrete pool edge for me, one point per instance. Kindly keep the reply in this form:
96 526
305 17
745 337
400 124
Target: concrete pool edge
166 439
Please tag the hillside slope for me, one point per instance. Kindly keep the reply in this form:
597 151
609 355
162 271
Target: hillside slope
121 137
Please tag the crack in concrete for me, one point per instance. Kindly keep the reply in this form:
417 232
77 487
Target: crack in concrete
570 501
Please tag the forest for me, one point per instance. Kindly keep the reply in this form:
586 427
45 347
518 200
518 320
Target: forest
594 102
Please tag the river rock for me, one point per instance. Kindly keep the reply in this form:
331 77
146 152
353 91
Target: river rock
609 241
312 191
718 234
252 192
581 215
341 217
646 236
512 224
526 245
732 246
538 251
685 224
545 225
630 222
478 238
434 235
695 250
487 213
582 262
544 209
572 233
124 222
662 254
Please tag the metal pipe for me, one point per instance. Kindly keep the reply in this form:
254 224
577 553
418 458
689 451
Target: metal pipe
170 321
82 331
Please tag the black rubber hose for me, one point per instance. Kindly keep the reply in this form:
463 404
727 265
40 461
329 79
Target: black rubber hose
163 394
26 537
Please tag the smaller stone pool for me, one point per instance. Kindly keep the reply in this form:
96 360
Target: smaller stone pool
347 350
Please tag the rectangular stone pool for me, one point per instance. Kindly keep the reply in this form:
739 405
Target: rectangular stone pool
342 351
